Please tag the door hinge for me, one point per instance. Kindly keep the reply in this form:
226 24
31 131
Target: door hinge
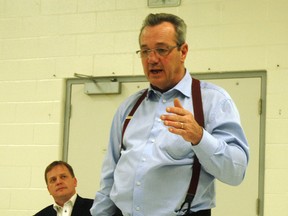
260 103
70 111
258 203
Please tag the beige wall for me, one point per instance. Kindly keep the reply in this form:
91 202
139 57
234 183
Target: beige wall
42 42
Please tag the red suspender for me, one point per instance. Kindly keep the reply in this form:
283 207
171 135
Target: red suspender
199 117
129 117
197 102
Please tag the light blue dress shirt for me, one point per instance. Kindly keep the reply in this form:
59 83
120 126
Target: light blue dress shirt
152 176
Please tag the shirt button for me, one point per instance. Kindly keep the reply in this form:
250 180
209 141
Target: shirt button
143 159
164 101
138 183
137 208
153 140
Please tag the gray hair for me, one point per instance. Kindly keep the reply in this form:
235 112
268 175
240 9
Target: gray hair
177 22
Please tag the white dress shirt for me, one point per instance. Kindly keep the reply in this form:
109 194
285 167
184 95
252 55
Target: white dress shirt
67 208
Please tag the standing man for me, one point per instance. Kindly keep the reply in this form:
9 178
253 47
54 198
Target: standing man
61 184
151 174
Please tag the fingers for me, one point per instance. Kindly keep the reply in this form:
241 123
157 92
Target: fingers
181 122
178 111
176 127
177 108
175 124
180 118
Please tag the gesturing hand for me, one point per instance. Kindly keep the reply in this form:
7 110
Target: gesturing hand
183 123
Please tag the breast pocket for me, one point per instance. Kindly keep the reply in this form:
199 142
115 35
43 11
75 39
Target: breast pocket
176 147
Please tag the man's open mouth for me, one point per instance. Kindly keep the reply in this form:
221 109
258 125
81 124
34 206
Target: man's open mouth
156 71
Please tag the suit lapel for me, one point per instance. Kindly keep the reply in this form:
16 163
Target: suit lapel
77 206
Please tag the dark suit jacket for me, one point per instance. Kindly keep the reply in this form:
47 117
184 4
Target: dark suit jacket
81 208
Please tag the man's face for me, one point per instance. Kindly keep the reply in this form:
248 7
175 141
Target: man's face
163 72
60 183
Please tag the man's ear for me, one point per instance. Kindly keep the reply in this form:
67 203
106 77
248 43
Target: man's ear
184 51
48 190
75 182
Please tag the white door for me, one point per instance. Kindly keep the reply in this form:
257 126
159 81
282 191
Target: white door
242 200
89 127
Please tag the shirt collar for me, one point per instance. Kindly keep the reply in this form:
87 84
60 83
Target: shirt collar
181 86
71 202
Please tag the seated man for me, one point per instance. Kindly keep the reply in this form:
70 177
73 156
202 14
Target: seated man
61 184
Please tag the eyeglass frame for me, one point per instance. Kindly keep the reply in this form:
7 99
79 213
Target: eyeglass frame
169 49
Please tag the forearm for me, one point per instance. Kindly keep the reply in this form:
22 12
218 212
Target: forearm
226 158
103 205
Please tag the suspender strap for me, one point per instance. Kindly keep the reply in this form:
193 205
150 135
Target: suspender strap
197 102
129 117
199 117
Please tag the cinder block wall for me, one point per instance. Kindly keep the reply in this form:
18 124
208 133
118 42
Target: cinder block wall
42 42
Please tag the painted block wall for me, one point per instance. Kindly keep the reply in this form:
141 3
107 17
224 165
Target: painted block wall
43 42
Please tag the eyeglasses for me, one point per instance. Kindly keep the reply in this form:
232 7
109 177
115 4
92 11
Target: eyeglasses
144 53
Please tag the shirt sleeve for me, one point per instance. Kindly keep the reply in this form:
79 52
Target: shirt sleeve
223 150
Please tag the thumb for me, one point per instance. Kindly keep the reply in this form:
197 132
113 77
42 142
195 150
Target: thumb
177 103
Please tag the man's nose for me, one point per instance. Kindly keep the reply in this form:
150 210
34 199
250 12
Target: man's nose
59 181
152 56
